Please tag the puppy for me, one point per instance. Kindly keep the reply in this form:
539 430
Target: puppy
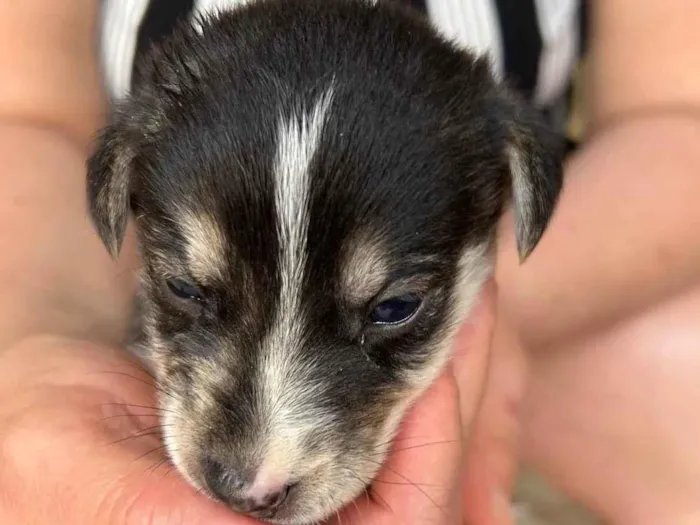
316 185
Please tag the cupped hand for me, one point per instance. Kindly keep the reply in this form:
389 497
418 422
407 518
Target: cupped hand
80 442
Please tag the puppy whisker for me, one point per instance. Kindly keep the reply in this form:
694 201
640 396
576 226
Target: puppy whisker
152 451
152 469
130 415
146 407
140 368
359 511
424 445
376 496
418 487
153 385
396 440
144 432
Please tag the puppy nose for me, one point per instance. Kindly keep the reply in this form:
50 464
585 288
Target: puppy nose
264 500
254 494
222 481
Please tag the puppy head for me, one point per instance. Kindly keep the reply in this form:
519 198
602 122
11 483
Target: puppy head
316 186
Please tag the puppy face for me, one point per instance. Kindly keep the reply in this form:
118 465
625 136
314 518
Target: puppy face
316 186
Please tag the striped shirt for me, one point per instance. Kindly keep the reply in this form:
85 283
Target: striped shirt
534 44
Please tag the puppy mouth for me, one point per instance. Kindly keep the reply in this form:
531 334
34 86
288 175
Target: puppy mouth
286 501
308 489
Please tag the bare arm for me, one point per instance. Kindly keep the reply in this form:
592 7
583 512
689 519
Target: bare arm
644 58
603 309
625 234
57 277
49 66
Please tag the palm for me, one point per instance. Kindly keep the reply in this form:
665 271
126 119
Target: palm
86 434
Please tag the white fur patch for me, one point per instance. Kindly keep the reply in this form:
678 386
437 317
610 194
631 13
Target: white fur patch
173 440
475 267
287 391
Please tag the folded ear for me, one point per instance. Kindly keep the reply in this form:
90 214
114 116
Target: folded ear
109 175
165 74
535 155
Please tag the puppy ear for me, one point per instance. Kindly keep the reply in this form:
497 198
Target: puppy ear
535 156
162 78
109 174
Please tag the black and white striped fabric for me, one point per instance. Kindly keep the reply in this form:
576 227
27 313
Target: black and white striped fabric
534 44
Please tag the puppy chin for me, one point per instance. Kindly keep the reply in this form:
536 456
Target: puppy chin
324 487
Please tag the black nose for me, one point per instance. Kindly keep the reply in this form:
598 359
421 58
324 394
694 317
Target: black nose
222 481
240 489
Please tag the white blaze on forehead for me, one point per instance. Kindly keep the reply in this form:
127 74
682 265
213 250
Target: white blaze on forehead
286 390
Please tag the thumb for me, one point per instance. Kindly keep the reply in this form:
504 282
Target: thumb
145 487
491 461
61 465
148 496
73 452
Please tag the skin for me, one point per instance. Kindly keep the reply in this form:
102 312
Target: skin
572 314
50 104
587 307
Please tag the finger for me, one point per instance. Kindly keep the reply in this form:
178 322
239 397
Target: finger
472 354
64 467
483 502
160 496
147 488
491 461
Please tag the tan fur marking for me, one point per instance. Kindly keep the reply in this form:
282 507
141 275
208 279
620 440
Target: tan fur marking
204 245
364 269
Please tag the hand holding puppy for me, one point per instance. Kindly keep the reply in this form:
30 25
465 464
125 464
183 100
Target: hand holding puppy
80 443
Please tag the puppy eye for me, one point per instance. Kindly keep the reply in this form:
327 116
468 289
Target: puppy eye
184 290
395 310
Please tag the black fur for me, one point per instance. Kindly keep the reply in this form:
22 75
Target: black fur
415 150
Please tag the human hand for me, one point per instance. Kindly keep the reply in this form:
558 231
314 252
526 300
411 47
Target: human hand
80 443
604 417
491 457
594 360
